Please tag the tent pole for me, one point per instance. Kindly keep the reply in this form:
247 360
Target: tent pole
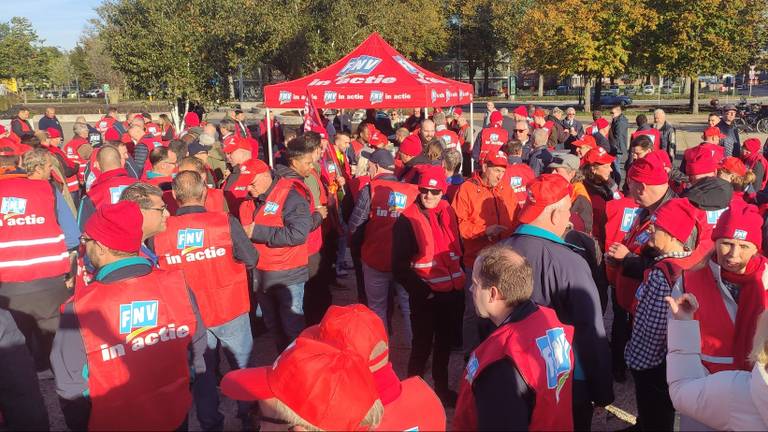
472 133
269 138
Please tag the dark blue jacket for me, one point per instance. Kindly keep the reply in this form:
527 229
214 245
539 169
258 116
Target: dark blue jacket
563 282
46 123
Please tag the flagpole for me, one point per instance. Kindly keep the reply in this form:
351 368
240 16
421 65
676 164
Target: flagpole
269 139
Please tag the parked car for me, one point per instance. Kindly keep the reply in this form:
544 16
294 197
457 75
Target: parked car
666 89
95 93
648 89
614 87
610 100
630 90
550 93
563 90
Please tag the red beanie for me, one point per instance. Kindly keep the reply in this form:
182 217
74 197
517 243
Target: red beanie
701 160
677 217
117 226
740 222
734 166
521 111
496 118
112 135
659 157
411 146
433 177
191 120
752 144
648 172
602 123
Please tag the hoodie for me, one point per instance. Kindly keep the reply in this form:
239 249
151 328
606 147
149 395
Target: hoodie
710 193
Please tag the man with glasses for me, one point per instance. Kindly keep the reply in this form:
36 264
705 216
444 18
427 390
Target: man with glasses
153 209
426 260
129 343
164 163
731 141
574 127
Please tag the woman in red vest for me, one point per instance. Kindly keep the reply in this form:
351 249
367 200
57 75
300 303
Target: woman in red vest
752 155
736 173
426 261
730 289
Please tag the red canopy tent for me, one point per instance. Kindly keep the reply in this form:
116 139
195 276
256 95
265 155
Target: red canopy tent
373 75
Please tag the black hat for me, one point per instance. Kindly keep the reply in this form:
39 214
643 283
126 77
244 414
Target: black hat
381 157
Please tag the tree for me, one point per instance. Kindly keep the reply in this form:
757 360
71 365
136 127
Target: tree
19 50
704 37
79 59
60 71
594 39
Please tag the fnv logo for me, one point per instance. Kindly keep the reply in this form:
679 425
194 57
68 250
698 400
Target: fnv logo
434 95
270 208
628 218
740 234
556 352
329 96
397 201
115 192
376 96
189 239
138 315
285 97
516 182
362 65
12 206
494 137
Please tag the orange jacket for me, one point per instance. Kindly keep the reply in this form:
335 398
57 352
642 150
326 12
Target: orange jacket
479 206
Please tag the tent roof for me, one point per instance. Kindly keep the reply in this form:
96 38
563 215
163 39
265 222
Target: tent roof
373 75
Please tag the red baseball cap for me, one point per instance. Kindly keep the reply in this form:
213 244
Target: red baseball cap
433 177
649 172
496 117
713 131
547 189
677 217
328 387
378 139
117 226
538 112
740 222
16 148
735 166
598 156
232 143
53 133
458 111
498 159
250 169
602 123
521 110
411 146
586 141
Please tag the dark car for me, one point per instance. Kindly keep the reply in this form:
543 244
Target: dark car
610 99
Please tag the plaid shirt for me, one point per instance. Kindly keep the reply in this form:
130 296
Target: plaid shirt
647 347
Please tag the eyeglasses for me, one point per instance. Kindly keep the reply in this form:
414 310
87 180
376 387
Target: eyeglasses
84 240
160 209
521 130
425 191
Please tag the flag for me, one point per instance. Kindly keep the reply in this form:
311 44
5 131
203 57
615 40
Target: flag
313 121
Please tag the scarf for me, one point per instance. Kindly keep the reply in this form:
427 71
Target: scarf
752 302
440 223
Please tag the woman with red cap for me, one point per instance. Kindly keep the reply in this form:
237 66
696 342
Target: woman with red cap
426 260
734 172
601 188
672 236
752 156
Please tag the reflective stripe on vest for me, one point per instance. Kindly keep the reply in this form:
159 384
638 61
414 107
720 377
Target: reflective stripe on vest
717 360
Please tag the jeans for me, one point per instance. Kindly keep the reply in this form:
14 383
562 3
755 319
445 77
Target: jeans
471 322
283 309
377 286
654 407
235 337
437 318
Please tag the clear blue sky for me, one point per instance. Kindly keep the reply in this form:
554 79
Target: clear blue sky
58 22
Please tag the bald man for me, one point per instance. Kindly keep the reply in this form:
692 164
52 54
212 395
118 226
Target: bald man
108 186
427 131
214 198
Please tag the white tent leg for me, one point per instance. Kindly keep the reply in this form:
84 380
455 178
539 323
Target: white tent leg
472 132
269 138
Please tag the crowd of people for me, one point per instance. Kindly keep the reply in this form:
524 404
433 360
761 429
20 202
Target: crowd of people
135 256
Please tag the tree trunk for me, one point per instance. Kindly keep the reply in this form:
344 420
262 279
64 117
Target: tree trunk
541 85
694 100
587 95
486 72
686 86
231 84
598 91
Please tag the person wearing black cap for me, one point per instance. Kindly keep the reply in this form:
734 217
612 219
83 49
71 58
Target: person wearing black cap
731 142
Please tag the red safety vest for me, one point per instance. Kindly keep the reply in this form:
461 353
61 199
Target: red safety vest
271 214
356 184
626 287
315 237
163 182
136 334
491 141
547 126
440 269
449 138
651 133
154 130
108 186
104 124
718 330
200 244
72 182
620 218
517 176
214 201
417 409
70 150
389 199
31 241
540 348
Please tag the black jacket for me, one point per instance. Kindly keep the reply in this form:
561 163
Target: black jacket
667 144
617 137
710 193
539 159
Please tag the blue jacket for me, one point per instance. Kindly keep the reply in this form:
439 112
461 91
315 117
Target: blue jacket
46 123
563 281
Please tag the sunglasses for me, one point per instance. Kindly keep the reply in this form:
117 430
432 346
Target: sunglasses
425 191
521 130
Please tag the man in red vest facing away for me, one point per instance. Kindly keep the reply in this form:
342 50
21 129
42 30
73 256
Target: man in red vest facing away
644 128
214 198
278 220
378 206
490 140
426 260
108 186
730 290
216 256
520 377
409 404
237 151
107 121
121 356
